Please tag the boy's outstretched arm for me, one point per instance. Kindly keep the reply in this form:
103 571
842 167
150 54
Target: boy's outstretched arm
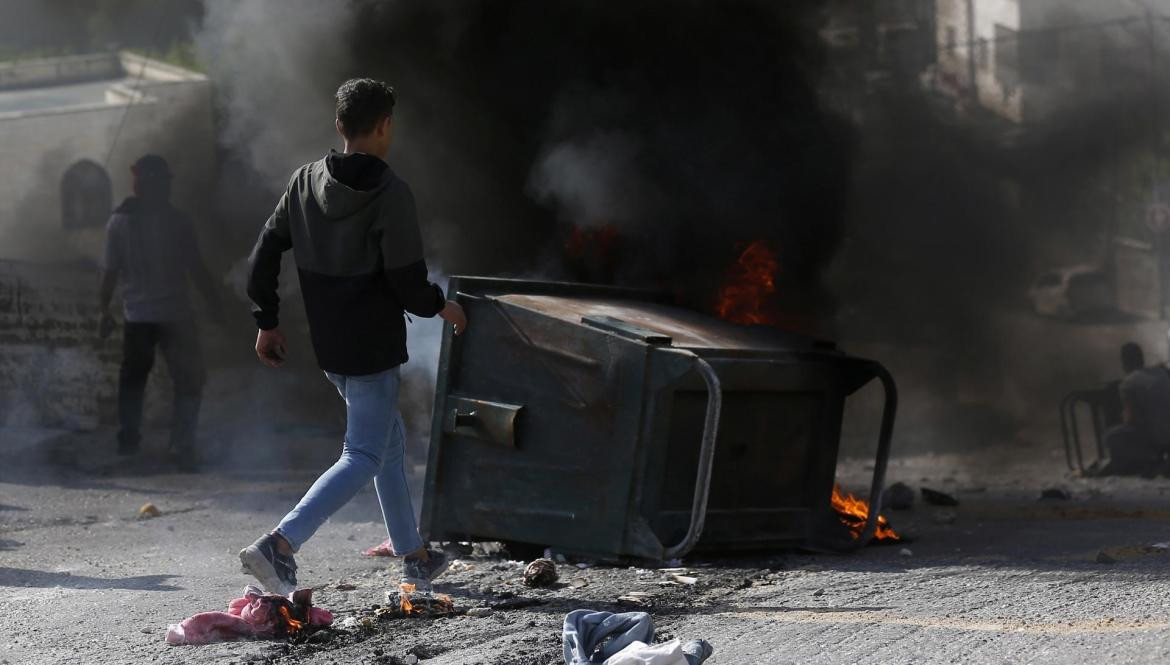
406 270
263 274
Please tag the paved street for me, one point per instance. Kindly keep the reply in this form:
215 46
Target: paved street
1004 577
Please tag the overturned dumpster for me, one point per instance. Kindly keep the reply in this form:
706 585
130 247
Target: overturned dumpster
609 422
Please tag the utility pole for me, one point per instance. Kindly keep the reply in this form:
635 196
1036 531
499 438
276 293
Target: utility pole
1160 245
971 64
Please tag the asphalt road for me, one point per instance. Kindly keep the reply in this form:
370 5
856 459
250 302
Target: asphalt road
1004 577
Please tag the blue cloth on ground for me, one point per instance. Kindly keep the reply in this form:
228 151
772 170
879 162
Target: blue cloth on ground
592 637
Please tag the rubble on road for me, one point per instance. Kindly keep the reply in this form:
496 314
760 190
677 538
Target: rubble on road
898 496
937 498
541 572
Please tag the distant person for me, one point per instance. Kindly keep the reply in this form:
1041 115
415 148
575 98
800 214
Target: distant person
1138 446
151 247
352 226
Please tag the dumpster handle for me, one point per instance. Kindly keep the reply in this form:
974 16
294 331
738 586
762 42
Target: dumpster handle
885 435
706 457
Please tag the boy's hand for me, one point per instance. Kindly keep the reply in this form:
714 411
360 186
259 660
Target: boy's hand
270 347
453 313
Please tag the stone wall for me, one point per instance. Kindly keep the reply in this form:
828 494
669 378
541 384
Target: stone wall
54 371
58 71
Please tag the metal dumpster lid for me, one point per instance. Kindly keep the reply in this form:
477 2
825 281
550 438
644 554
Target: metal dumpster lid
686 328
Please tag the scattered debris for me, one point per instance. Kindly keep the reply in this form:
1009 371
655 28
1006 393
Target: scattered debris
636 599
355 623
936 498
516 603
683 579
148 510
345 586
819 592
1058 493
488 549
460 566
1161 546
579 583
905 552
898 496
541 572
1103 557
479 612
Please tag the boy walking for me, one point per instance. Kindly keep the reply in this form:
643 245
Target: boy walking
353 229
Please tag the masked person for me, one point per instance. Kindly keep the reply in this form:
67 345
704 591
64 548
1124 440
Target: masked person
351 224
151 248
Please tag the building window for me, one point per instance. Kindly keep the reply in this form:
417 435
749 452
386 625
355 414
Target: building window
952 39
982 49
86 195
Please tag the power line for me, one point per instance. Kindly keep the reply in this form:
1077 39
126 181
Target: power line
137 89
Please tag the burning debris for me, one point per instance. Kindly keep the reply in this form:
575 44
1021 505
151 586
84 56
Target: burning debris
256 615
747 295
408 601
853 512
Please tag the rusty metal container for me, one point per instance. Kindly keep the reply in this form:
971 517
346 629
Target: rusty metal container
609 422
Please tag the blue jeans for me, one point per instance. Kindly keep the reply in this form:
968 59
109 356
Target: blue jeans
375 445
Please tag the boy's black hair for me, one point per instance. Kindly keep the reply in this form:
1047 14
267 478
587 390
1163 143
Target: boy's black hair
361 105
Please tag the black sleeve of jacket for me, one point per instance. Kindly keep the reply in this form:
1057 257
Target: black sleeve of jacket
416 293
402 256
264 265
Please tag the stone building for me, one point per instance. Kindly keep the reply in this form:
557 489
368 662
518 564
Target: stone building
71 127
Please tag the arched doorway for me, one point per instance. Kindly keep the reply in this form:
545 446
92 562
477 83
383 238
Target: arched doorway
86 196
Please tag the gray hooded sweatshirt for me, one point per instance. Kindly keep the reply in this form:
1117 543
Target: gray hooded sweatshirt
353 229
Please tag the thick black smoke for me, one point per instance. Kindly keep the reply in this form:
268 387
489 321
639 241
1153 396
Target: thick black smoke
685 129
538 134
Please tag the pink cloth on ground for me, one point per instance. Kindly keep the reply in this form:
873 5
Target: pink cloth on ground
255 616
382 549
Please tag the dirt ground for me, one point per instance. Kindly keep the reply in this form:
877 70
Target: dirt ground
1003 577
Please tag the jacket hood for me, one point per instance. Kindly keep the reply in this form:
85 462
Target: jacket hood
338 200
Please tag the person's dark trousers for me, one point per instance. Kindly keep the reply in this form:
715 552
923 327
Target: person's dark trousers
179 342
1132 452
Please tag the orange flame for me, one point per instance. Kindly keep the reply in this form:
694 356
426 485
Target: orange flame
404 604
853 512
751 283
294 626
428 604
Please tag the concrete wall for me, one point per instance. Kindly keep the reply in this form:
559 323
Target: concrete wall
57 71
